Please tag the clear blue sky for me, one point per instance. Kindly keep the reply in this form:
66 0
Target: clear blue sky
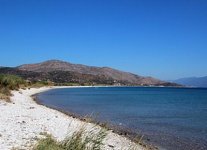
166 39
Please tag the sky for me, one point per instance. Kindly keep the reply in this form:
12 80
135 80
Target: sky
159 38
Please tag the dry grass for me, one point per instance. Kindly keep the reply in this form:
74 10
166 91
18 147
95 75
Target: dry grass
4 97
5 94
78 141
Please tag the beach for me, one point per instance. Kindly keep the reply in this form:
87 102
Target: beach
23 122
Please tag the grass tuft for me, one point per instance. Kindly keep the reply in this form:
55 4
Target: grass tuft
48 143
80 140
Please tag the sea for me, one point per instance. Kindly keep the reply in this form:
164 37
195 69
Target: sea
169 118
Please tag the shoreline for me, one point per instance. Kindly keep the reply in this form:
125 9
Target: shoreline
122 131
23 120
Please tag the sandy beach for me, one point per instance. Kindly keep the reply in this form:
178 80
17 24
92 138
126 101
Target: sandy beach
23 121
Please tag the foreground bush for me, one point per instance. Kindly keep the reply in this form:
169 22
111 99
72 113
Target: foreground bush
78 141
9 82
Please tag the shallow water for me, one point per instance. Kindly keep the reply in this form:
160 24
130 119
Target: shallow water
173 118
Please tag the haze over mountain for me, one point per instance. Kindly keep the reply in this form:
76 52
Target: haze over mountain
61 71
193 81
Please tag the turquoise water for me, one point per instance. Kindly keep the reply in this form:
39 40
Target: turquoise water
172 118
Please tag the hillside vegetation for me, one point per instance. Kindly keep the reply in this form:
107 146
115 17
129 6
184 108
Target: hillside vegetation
64 72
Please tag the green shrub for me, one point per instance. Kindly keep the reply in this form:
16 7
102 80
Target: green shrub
7 83
11 82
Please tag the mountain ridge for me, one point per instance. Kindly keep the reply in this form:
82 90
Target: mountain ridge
192 81
82 73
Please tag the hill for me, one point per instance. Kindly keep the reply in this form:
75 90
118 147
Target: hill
61 72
